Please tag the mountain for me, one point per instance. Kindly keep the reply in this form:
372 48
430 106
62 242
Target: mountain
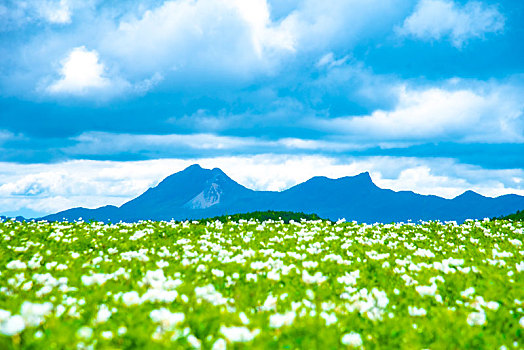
196 193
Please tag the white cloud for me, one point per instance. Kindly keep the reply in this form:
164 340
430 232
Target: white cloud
239 38
104 143
55 11
81 71
328 60
232 36
195 43
53 187
83 74
492 115
437 19
319 25
14 14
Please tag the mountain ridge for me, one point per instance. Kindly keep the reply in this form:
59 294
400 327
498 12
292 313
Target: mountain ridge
197 193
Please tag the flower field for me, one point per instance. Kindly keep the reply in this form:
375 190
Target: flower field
262 285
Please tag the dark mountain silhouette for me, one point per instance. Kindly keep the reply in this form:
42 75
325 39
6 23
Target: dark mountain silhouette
196 193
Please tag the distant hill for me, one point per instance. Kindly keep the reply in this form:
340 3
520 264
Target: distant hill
518 216
197 193
285 216
17 218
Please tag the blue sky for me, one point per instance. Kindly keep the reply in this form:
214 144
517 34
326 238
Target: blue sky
100 100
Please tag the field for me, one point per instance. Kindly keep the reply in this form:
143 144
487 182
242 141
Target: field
262 285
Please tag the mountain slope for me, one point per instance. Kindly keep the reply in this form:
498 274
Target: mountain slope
196 193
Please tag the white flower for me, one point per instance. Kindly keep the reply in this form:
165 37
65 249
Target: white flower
159 295
137 235
352 339
311 279
84 332
16 265
51 265
131 298
194 341
34 313
424 253
492 305
309 264
162 263
349 279
279 320
107 335
415 311
243 318
4 315
330 318
60 309
273 275
372 303
426 290
217 273
468 292
97 278
166 318
209 294
12 325
477 318
521 321
154 278
220 344
515 242
239 334
61 267
270 303
103 314
97 260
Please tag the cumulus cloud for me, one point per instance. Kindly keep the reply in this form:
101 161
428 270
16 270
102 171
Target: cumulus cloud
319 25
240 39
81 71
58 186
437 19
442 114
209 35
83 74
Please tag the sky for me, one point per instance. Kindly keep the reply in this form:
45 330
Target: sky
101 100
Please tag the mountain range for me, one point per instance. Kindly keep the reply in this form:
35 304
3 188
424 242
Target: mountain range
196 193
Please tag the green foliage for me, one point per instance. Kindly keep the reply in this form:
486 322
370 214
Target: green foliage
518 216
245 284
285 216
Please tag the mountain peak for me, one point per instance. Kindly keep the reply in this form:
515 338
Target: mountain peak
217 171
364 176
363 179
193 167
470 194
